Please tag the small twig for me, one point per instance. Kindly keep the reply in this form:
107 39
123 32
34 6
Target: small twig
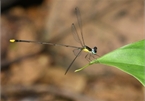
5 64
14 90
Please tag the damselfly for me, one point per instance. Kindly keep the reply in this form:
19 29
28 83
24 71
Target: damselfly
90 51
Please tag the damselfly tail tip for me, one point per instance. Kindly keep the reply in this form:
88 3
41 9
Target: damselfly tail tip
12 40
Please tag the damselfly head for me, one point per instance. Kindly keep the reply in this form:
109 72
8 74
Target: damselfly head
94 50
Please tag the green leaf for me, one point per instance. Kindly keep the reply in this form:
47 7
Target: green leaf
130 59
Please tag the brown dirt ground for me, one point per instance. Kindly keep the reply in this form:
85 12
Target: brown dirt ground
33 72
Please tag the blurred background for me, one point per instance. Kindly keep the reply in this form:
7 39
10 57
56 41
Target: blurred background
34 72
